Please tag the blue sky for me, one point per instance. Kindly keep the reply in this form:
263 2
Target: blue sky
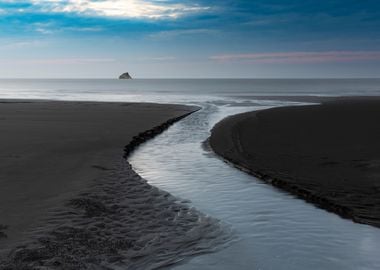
173 38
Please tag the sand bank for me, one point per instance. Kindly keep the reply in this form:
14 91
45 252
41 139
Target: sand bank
70 200
327 154
50 150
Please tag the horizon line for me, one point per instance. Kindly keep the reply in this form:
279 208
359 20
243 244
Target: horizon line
186 78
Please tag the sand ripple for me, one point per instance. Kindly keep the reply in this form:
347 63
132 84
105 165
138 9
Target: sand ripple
121 222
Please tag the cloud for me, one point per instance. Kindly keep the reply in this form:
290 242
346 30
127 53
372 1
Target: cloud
301 57
8 45
143 9
84 29
65 61
43 28
50 27
185 32
159 58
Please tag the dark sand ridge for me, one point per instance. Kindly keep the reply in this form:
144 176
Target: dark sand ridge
50 151
73 202
327 154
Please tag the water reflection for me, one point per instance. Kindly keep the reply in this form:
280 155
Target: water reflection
275 230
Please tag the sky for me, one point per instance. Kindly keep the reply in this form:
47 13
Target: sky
190 39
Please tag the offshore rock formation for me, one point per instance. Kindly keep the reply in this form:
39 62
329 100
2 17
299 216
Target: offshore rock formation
125 76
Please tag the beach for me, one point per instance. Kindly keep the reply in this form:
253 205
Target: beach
326 154
154 200
70 200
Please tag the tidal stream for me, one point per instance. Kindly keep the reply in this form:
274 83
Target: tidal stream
272 229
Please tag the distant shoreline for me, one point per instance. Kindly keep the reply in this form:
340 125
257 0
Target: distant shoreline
204 78
326 154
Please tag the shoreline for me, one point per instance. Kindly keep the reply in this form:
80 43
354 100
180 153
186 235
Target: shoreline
151 133
86 207
241 141
52 149
115 219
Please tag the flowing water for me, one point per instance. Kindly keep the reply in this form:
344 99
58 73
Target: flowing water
271 229
274 230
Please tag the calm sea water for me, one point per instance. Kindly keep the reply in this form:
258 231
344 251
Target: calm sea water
163 90
273 230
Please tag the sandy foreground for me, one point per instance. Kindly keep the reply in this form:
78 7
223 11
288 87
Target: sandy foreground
64 182
327 154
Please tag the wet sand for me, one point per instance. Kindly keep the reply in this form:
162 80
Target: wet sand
51 151
327 154
71 200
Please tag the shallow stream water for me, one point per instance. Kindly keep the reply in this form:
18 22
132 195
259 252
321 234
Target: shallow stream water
272 229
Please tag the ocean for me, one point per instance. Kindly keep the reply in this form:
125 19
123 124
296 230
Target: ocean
271 229
163 90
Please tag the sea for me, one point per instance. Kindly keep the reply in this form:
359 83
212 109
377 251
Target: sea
271 229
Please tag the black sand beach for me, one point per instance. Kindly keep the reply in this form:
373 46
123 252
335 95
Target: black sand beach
50 150
69 200
327 154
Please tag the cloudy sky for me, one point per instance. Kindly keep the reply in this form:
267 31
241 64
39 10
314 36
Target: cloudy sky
199 38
